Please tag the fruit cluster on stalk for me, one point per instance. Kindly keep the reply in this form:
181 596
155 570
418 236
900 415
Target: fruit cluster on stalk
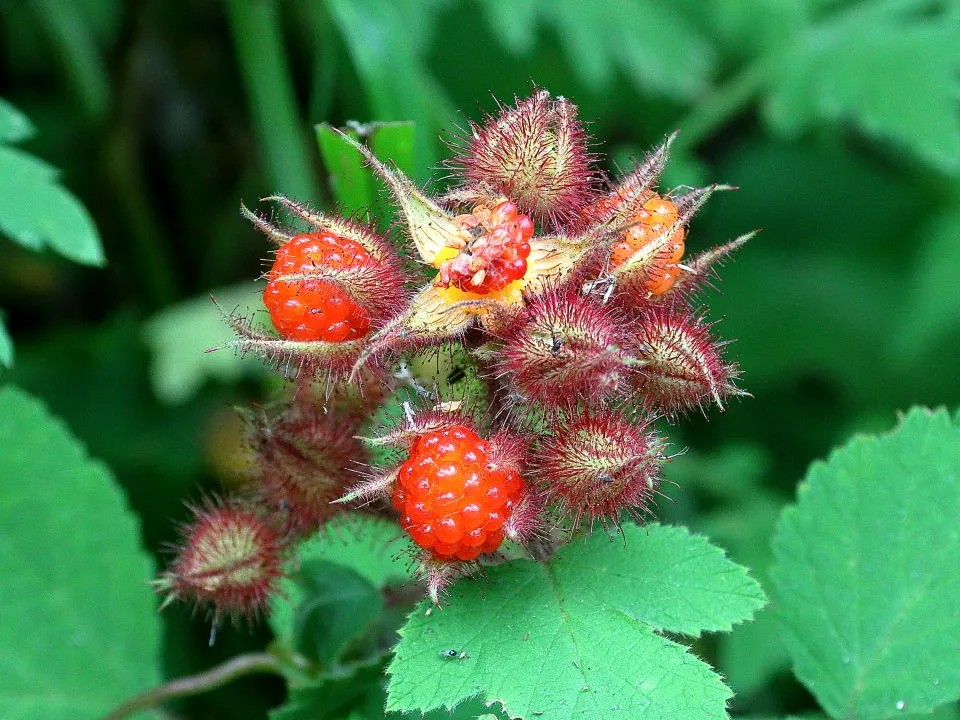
559 306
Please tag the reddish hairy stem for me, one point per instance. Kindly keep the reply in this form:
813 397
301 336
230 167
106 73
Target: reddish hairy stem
202 682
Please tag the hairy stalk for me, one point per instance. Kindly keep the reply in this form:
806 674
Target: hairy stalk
202 682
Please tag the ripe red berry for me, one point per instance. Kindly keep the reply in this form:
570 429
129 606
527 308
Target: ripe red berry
306 306
495 254
229 560
453 497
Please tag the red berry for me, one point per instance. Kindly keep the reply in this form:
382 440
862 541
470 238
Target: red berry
313 308
494 255
453 500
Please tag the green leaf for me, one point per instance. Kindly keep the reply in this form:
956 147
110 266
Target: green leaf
331 696
896 77
14 125
394 142
931 309
352 182
6 344
338 606
181 337
606 35
577 637
866 572
36 211
369 546
80 631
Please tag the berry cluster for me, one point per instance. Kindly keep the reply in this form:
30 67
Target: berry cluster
562 320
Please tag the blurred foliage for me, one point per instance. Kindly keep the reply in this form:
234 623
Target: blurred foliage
838 119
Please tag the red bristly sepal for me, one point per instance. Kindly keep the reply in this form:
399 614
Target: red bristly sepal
596 465
564 349
229 561
680 365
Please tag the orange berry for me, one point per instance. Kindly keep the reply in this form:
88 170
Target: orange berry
663 279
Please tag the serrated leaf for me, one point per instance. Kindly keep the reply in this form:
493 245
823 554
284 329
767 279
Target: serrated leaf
866 572
6 344
897 78
576 638
37 212
181 335
370 546
80 632
14 125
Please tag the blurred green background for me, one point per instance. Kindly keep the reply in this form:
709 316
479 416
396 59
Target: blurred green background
838 120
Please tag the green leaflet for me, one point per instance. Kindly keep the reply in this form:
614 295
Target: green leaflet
865 572
80 632
576 637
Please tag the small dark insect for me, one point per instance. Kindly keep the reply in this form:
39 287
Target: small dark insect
453 655
555 343
605 478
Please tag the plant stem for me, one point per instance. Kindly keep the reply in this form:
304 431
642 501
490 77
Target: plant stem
725 102
255 25
202 682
